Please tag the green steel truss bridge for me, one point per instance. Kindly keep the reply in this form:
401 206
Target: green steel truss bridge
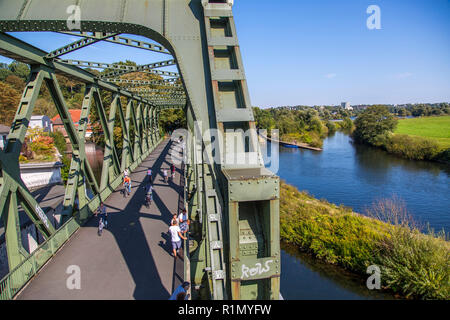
234 250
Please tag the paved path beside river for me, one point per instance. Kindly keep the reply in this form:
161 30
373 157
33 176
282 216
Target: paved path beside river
131 259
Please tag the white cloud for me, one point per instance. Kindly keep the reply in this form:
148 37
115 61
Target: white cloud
330 75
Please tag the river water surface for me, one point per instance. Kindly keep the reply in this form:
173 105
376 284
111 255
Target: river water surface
355 176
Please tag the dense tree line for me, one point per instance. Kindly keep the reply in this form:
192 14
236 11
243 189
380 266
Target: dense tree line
293 125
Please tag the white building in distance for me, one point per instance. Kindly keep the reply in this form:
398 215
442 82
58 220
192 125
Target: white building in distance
41 122
346 106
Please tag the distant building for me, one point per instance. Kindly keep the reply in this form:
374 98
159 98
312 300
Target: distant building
75 114
4 131
43 122
346 106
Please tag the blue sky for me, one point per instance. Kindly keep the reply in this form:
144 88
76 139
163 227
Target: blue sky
316 52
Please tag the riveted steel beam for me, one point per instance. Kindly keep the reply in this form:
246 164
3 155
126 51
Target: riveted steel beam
120 67
165 82
146 90
157 72
126 41
79 44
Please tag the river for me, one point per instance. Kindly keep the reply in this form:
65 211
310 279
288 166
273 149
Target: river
356 176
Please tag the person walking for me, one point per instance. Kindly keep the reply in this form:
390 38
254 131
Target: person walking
174 219
149 194
175 233
126 173
184 222
172 171
103 218
149 175
165 175
182 288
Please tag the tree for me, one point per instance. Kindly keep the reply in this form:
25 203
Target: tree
9 101
373 124
20 69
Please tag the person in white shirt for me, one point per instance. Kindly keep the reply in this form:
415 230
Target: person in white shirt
184 221
175 233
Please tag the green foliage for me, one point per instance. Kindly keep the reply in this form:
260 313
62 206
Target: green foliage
331 127
301 126
435 128
410 147
347 124
171 119
61 145
59 142
374 121
65 169
413 264
19 69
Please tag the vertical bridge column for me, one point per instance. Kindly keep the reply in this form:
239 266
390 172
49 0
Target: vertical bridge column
252 192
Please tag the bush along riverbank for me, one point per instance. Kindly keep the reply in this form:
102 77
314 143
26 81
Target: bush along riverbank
412 264
375 126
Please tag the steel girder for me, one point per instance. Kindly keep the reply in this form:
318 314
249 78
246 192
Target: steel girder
165 82
120 67
202 38
157 72
124 69
113 38
79 44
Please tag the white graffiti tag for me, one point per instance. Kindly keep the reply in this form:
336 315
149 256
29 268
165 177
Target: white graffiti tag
257 270
42 215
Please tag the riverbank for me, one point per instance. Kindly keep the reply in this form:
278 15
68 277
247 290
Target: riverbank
413 264
293 144
424 138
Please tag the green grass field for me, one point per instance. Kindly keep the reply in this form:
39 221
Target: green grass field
435 128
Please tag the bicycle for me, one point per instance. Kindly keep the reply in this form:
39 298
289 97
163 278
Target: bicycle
148 200
126 190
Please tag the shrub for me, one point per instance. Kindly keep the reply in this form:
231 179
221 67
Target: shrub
415 148
415 264
331 127
42 145
59 141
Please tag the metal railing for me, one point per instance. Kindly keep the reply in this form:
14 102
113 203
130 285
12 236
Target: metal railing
18 277
187 262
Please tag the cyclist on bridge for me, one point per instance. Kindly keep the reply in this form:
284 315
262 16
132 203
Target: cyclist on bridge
127 185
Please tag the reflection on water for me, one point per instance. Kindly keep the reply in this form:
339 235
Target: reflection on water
94 154
305 278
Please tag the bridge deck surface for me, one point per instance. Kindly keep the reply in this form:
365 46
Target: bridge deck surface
131 260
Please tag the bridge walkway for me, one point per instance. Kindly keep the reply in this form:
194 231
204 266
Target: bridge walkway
131 260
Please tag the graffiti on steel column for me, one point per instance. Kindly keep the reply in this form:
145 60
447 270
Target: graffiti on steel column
42 215
257 270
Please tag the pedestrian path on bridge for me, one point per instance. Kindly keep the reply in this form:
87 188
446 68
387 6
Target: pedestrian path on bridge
131 260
